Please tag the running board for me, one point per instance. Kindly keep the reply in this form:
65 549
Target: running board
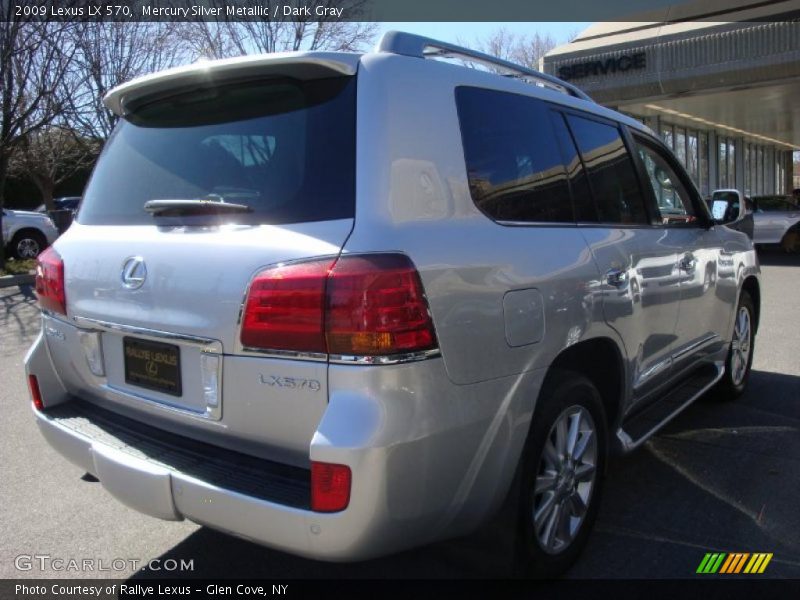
638 429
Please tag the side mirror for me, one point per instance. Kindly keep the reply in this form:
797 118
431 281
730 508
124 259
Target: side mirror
727 207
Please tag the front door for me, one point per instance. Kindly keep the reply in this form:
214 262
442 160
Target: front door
703 314
636 258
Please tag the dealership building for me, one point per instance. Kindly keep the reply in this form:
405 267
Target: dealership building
720 85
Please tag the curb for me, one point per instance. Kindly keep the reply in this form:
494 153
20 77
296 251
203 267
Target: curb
12 280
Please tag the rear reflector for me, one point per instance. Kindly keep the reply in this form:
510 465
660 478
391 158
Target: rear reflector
50 282
330 487
358 305
36 395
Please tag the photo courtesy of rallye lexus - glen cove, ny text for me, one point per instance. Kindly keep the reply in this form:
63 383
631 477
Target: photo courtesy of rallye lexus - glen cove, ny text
348 304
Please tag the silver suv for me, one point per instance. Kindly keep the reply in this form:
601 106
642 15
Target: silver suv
343 305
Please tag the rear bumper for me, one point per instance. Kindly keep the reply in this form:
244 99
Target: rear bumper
141 474
429 460
158 489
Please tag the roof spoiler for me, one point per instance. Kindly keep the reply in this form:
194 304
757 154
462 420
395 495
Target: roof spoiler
300 65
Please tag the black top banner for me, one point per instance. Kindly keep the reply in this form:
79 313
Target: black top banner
393 10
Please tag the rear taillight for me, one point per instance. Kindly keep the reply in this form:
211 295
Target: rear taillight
361 305
376 306
330 487
285 308
50 282
36 394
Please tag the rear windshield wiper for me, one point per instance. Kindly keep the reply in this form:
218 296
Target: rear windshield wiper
173 208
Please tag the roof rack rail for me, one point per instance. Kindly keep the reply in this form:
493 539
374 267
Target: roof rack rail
409 44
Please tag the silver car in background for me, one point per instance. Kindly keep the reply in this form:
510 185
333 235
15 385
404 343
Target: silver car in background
777 221
343 305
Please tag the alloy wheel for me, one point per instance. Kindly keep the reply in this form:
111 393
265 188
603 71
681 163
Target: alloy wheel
565 479
28 248
740 346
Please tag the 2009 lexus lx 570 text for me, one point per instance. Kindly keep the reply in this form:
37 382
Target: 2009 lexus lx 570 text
344 305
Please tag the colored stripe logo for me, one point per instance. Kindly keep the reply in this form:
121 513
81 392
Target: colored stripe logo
734 563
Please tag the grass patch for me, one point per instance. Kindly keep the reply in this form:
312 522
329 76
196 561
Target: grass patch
18 267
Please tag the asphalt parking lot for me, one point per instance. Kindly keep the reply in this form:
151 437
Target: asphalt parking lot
719 478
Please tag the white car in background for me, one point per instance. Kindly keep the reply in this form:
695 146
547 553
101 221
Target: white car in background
27 233
777 221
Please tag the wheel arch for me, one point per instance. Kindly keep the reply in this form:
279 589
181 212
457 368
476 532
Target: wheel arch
26 229
752 287
792 230
601 361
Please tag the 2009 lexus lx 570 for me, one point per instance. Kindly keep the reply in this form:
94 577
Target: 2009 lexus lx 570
346 304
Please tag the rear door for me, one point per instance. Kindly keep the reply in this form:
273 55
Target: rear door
636 257
165 291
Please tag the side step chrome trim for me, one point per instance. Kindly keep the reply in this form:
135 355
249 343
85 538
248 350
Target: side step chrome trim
629 443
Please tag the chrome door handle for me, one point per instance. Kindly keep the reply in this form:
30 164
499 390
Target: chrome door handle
617 277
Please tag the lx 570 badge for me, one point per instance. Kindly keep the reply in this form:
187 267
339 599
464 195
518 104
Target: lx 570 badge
291 383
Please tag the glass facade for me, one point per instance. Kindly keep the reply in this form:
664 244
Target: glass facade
762 168
703 175
722 164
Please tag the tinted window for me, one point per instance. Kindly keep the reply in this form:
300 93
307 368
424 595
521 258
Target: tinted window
612 176
514 166
774 205
579 184
285 148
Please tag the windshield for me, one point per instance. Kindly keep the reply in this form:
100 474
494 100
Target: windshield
284 148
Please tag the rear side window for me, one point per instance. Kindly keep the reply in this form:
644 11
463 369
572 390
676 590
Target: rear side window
514 166
612 177
285 148
582 202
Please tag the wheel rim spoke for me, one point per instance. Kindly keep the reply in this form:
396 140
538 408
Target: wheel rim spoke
544 511
740 346
552 527
545 483
572 433
584 473
583 444
577 505
550 456
561 437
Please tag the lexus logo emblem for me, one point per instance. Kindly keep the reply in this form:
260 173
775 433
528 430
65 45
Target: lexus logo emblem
134 272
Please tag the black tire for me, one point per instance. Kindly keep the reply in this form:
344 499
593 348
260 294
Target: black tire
564 393
790 243
734 383
26 242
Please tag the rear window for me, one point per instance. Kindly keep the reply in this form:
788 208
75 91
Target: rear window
285 148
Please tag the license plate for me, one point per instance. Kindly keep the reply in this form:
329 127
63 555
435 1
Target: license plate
153 365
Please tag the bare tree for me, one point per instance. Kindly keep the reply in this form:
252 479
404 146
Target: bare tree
50 156
109 54
34 59
523 49
227 38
